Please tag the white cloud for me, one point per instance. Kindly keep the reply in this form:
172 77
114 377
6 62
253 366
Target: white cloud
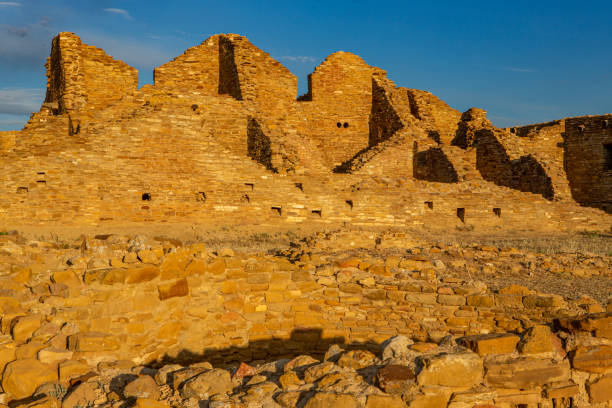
119 11
298 58
20 101
515 69
10 4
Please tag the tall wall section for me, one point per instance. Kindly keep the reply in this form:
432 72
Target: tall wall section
196 70
80 75
338 106
588 160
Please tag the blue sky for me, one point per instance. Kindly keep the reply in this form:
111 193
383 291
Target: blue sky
523 61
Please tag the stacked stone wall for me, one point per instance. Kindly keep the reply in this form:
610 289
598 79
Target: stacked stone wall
588 160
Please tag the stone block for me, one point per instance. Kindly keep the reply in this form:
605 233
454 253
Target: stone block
172 289
451 370
483 344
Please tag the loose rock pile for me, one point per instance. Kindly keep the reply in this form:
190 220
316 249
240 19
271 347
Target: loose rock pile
113 320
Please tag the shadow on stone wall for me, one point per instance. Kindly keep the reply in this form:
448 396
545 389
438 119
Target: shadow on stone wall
524 174
433 165
258 144
301 341
229 83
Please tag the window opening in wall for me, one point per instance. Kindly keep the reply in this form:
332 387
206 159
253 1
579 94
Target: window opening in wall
461 214
251 185
581 128
277 210
41 173
497 211
201 196
317 213
41 181
607 156
300 186
339 124
429 205
146 196
606 124
194 107
246 198
345 125
22 190
349 203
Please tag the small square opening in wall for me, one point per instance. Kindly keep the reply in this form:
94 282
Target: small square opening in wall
246 198
429 205
300 186
277 210
338 125
22 190
497 211
461 214
201 196
41 173
41 181
607 156
349 203
317 213
250 185
146 197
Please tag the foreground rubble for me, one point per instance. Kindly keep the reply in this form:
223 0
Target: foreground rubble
119 321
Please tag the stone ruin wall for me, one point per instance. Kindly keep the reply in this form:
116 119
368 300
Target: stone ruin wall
197 118
164 303
337 106
588 160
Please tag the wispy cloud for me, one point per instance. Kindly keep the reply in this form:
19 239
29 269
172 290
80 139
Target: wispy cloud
20 101
10 4
298 58
515 69
119 11
26 45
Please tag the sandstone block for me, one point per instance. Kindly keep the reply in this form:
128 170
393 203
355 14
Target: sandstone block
71 369
537 339
356 359
142 387
600 390
207 384
142 274
451 370
384 401
395 347
395 379
22 377
23 327
451 300
53 355
325 400
494 343
150 403
92 342
173 289
83 395
596 359
525 372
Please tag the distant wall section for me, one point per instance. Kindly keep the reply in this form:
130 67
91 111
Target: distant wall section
588 160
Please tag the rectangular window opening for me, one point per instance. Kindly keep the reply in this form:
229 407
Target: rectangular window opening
607 156
349 203
201 196
41 181
299 186
246 198
497 211
277 210
22 190
429 205
461 214
251 185
317 213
